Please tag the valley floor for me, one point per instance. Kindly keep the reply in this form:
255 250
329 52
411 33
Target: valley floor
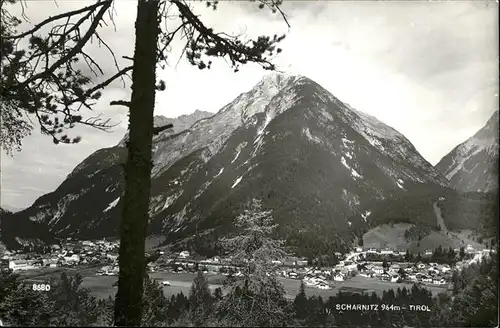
181 282
392 237
102 286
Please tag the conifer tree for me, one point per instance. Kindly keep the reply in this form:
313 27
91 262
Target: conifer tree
260 299
300 303
200 299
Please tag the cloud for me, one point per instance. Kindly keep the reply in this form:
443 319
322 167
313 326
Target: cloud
428 69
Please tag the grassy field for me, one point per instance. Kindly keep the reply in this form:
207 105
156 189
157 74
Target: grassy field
101 286
393 237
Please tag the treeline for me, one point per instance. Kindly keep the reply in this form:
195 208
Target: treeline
439 255
415 208
317 247
417 233
472 210
315 311
474 303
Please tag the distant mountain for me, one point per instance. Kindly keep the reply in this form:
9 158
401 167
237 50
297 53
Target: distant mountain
473 165
317 163
180 123
16 232
10 208
4 211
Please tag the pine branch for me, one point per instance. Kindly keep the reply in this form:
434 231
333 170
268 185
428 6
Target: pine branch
68 14
73 52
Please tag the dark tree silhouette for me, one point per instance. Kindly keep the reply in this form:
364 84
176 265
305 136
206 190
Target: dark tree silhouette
40 77
44 81
151 45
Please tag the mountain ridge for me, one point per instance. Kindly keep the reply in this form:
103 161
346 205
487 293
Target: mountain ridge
315 161
473 164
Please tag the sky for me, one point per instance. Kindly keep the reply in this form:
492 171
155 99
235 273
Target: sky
429 69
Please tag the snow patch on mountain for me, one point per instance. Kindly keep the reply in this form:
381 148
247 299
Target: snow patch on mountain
57 214
268 120
112 204
220 172
236 156
64 229
111 188
354 173
202 189
347 143
62 205
174 222
169 201
93 173
310 136
238 150
26 242
366 214
238 180
350 198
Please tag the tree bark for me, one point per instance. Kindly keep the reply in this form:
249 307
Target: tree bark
138 168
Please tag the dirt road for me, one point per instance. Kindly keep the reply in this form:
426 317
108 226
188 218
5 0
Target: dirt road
439 218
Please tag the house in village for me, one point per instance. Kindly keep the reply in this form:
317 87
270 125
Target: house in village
395 278
73 259
395 266
51 263
409 270
17 265
412 277
439 281
88 243
184 254
112 257
338 276
385 276
323 286
426 279
433 270
367 274
214 259
301 263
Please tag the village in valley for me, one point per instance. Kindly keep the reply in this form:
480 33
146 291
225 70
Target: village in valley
377 265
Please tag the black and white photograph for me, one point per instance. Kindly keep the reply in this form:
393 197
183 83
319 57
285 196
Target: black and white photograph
251 163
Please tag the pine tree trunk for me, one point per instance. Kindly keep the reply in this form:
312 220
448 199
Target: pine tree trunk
138 168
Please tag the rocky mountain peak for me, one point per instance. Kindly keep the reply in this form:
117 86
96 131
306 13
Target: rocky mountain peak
160 120
488 135
473 164
287 141
180 123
